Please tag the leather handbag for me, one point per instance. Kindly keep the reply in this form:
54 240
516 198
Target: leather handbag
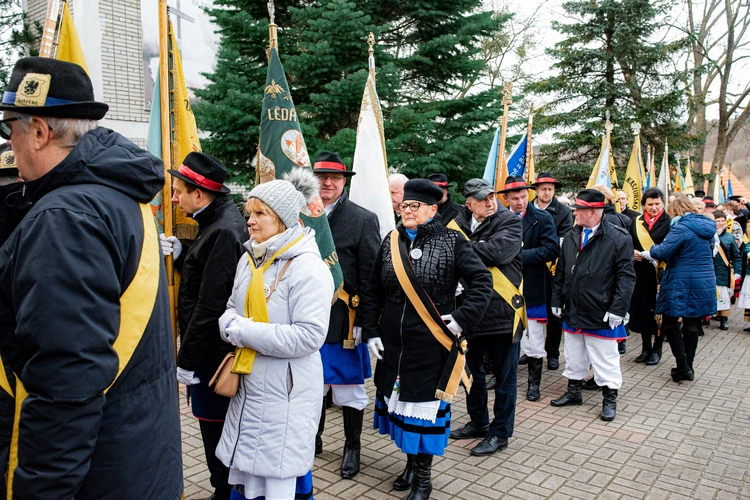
225 381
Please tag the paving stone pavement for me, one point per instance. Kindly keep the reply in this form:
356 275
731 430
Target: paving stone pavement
668 441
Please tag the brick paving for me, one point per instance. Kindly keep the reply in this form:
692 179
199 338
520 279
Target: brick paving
669 441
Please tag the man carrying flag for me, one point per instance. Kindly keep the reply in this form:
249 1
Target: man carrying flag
496 236
540 246
346 361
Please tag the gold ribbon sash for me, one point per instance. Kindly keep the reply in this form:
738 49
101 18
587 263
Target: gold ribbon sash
256 308
136 306
646 241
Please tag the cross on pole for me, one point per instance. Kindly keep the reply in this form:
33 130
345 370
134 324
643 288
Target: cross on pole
180 16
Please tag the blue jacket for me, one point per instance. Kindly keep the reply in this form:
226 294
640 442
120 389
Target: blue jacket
688 287
540 245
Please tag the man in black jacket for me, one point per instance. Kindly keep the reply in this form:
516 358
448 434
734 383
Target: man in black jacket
540 246
346 361
84 304
208 269
563 217
495 235
593 285
447 208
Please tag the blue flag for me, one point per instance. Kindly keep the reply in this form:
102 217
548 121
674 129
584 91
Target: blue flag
730 193
517 159
489 169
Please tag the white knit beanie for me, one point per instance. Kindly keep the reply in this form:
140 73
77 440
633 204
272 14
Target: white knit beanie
282 198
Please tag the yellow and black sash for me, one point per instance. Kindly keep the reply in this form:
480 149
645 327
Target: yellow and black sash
455 368
646 241
136 307
505 288
351 304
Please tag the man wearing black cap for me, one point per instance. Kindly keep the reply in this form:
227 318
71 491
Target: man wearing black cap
593 284
346 362
545 186
496 235
447 208
208 268
540 246
84 306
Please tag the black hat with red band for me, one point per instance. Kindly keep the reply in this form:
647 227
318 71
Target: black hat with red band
589 198
330 163
515 183
546 178
203 171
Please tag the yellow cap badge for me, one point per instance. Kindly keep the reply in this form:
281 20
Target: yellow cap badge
8 160
33 90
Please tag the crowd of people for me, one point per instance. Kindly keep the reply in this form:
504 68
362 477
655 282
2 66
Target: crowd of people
444 303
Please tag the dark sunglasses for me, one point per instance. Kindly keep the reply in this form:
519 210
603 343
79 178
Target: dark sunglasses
5 129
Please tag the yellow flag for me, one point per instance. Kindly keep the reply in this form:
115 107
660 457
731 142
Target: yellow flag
68 45
500 184
612 172
689 189
633 181
185 132
601 173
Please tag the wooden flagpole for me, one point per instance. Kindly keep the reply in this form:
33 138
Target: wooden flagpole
47 46
506 102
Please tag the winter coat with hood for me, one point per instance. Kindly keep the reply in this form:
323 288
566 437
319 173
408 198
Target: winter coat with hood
497 241
208 268
272 420
411 351
688 286
62 273
595 280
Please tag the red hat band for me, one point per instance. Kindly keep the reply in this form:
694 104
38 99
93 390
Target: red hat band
199 179
441 184
515 185
542 180
589 204
329 164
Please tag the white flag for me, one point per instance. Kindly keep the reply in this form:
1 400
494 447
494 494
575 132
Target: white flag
663 182
370 188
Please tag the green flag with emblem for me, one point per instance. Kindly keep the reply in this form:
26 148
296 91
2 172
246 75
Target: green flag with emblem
282 147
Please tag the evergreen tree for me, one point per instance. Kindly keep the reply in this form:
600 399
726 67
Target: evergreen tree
426 51
17 37
609 61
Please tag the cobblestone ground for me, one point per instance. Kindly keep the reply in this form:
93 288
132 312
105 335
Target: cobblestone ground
687 440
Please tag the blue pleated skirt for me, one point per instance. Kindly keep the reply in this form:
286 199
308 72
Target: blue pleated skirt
414 435
345 366
303 491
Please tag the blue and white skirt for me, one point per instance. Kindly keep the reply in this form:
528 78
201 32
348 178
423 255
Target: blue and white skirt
414 435
303 489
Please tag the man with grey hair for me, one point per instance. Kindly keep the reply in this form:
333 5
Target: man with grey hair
397 182
84 305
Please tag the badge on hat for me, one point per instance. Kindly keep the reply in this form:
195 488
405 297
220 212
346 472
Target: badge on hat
8 160
33 90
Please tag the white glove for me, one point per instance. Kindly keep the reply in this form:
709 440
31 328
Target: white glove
459 290
233 333
557 311
357 333
613 319
187 377
170 245
375 345
452 324
647 256
225 320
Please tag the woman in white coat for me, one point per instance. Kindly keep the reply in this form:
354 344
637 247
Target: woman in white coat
268 441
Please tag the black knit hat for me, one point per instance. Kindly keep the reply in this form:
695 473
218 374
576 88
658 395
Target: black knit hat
203 171
330 163
589 198
546 178
42 86
515 183
422 190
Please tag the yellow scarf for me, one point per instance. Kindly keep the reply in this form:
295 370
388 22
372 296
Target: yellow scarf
256 308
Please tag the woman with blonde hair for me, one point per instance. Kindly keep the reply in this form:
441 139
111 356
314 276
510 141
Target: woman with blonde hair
688 287
277 315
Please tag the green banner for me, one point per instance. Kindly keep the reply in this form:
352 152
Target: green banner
282 147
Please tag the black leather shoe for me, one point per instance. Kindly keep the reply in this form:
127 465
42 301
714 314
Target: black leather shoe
572 396
680 375
609 404
653 358
622 347
489 446
404 480
524 359
591 385
491 382
746 329
723 323
553 363
643 356
468 431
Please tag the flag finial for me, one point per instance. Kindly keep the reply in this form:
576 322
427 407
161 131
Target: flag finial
608 125
507 94
371 42
272 12
636 127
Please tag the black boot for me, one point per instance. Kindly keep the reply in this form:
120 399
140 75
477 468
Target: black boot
622 347
352 445
723 323
655 355
591 385
609 404
421 486
572 396
645 348
535 378
321 427
403 481
678 346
